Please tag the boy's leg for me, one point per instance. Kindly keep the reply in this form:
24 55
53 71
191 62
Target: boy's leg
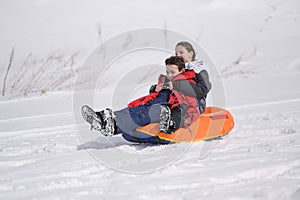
122 121
128 119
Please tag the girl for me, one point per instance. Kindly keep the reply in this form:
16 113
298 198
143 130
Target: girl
202 86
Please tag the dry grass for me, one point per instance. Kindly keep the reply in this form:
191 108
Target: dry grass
11 58
39 76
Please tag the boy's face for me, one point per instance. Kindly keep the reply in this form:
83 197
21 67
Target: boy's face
172 71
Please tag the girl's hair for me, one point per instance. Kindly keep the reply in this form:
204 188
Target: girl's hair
188 47
176 60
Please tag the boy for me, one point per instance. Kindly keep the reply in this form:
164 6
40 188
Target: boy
171 108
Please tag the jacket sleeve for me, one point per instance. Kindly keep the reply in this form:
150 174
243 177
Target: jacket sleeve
152 88
161 78
142 100
198 90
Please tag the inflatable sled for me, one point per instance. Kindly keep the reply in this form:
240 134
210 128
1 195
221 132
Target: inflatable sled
213 123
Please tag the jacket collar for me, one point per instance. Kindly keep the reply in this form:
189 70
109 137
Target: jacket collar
188 74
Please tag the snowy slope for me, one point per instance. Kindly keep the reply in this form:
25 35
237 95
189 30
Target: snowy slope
255 46
43 157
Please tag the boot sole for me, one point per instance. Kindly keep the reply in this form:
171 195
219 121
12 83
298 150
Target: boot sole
91 117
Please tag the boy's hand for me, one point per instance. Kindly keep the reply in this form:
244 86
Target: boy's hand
159 87
170 85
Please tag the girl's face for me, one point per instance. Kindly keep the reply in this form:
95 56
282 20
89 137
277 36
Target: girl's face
172 71
181 51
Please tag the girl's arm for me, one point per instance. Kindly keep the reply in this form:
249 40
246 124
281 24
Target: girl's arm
198 90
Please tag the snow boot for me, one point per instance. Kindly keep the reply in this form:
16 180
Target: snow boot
100 121
109 123
92 118
166 124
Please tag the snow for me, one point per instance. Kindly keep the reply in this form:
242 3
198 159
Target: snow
255 46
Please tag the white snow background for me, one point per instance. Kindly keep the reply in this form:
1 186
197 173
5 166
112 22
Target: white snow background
255 45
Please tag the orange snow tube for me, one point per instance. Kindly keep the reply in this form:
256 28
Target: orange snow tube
213 123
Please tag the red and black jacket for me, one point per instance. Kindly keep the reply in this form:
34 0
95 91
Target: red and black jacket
176 98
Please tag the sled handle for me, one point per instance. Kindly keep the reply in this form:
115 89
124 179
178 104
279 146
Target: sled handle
220 116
